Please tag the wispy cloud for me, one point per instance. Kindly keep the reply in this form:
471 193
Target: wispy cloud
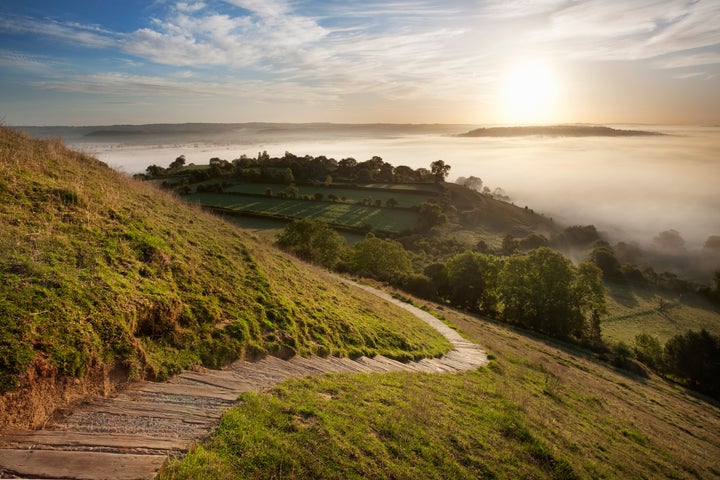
19 61
86 35
451 49
641 29
120 84
690 60
265 8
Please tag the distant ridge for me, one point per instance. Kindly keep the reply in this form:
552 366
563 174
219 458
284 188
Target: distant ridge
556 131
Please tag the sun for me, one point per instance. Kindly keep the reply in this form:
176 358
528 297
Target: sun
529 93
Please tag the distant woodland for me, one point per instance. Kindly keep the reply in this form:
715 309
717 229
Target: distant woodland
556 131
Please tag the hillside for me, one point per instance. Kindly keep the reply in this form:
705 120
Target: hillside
484 213
105 278
541 409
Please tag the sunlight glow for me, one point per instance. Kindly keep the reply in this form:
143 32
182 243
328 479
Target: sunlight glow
529 92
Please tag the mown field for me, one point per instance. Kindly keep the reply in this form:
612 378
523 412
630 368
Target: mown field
539 410
405 196
344 214
661 313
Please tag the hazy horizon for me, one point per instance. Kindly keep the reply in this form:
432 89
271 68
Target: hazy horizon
631 188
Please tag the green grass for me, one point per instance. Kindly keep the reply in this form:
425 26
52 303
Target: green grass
352 195
636 310
350 215
100 271
537 411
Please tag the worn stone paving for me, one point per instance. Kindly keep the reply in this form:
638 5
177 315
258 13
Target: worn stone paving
131 435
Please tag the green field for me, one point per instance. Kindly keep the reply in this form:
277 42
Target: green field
636 310
403 197
349 215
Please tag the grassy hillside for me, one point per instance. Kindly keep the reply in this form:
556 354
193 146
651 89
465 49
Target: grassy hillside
539 410
486 218
634 310
102 274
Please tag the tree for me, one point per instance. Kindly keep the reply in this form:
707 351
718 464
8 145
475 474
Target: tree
292 191
473 183
603 256
482 247
712 243
669 241
154 171
695 357
439 170
538 291
509 245
471 278
363 176
313 241
431 214
346 167
648 350
404 174
590 301
577 236
177 163
382 259
533 241
386 173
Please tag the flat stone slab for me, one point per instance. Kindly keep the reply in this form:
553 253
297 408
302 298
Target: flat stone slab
63 464
55 439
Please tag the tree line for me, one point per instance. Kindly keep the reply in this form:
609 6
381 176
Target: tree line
539 290
290 168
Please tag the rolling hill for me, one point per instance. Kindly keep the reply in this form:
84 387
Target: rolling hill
105 278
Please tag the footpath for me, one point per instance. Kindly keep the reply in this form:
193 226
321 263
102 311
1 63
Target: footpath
131 435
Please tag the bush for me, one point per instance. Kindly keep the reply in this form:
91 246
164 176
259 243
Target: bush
313 241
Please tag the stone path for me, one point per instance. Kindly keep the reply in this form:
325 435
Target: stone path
131 435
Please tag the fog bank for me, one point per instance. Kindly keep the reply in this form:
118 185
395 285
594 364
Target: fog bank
631 188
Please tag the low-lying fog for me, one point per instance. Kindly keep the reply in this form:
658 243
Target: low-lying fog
631 188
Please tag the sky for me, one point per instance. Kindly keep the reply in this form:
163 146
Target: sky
92 62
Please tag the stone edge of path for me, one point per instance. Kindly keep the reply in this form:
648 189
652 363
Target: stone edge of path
84 448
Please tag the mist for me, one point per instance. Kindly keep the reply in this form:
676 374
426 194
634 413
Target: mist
630 188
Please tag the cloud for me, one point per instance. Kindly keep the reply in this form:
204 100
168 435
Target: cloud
265 8
690 60
452 49
87 35
190 7
640 29
214 39
24 62
122 84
